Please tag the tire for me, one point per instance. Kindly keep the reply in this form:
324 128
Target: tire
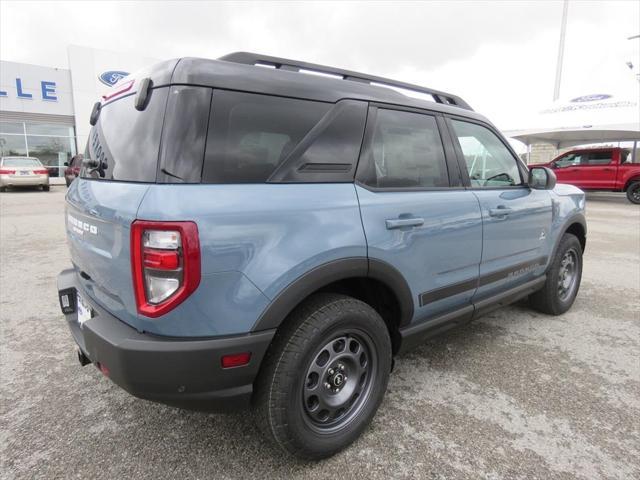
563 279
289 402
67 181
633 193
3 189
46 188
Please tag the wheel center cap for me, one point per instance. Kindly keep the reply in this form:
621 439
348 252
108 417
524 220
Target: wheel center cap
338 380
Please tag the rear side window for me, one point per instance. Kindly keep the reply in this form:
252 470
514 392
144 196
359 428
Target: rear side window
406 151
184 134
126 141
251 134
597 158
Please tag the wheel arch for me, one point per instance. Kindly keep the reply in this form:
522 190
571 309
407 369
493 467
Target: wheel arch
576 225
375 282
579 230
634 178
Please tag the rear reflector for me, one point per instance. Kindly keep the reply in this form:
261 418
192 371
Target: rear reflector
235 359
103 368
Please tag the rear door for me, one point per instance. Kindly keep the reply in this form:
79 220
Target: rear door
415 218
516 219
598 170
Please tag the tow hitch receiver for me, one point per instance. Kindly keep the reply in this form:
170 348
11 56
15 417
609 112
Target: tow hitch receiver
82 358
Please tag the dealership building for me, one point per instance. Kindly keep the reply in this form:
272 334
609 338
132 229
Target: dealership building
44 111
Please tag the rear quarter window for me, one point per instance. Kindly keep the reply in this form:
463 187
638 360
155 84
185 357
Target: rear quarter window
250 135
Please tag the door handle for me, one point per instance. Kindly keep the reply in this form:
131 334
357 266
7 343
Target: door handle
404 222
501 211
608 169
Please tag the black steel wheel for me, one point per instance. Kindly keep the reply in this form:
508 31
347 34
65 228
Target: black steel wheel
338 381
324 376
563 278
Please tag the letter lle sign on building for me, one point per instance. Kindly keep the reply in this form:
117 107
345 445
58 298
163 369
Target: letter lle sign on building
35 89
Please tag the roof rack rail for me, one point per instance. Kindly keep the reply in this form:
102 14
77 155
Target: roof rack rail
248 58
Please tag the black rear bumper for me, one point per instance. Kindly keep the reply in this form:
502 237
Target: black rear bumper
181 372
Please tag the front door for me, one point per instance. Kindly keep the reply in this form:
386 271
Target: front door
567 168
413 218
516 219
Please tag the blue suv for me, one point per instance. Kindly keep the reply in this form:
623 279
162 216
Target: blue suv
260 232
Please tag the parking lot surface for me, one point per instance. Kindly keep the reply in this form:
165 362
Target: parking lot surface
515 395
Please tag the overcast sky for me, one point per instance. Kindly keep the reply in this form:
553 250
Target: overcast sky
499 56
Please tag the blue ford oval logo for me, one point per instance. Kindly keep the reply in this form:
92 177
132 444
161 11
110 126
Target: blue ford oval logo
111 77
591 98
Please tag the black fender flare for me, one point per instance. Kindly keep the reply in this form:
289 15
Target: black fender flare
327 273
578 218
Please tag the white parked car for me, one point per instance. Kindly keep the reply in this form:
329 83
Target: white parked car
23 172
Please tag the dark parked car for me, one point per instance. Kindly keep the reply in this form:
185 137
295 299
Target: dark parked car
73 168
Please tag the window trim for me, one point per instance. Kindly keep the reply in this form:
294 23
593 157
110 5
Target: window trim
522 168
366 154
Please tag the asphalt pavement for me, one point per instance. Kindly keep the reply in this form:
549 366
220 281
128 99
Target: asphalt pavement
515 395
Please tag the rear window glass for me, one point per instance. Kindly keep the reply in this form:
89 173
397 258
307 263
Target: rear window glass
21 162
598 158
184 134
126 141
251 134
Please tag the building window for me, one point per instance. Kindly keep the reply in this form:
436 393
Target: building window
52 144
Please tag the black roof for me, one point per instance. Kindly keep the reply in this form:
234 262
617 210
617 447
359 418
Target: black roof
240 71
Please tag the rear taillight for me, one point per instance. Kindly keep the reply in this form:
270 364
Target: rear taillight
165 261
6 171
43 171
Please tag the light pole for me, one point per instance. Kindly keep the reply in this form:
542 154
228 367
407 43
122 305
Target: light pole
563 31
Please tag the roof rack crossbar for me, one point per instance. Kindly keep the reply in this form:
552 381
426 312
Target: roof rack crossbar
295 65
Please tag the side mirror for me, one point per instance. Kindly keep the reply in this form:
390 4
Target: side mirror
66 164
542 178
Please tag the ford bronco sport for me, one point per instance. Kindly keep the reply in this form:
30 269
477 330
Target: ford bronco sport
245 234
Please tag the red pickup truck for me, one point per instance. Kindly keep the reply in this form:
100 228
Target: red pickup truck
608 168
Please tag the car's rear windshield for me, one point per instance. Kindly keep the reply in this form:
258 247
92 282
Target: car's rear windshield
21 162
125 142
